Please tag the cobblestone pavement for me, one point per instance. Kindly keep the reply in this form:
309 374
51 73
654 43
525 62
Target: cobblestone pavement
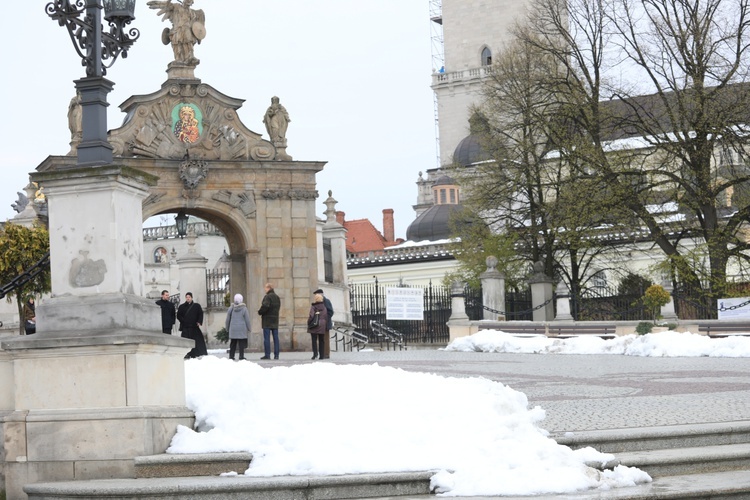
587 392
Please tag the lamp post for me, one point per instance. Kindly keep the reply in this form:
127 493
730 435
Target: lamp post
98 51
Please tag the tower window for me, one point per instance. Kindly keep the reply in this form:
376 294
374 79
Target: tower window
486 57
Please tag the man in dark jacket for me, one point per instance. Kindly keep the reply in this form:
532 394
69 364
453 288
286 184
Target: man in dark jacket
269 312
190 315
167 312
327 337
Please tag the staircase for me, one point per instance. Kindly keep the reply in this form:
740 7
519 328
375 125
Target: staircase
197 476
685 461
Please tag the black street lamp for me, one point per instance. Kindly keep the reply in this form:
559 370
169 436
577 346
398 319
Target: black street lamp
181 221
98 50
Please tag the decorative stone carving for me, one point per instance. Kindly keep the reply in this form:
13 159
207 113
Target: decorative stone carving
192 172
152 198
244 201
85 272
294 194
21 204
187 116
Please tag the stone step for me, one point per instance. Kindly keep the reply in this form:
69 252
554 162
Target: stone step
714 485
670 462
658 438
395 484
193 464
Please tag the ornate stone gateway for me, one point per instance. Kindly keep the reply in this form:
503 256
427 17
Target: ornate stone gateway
99 375
189 136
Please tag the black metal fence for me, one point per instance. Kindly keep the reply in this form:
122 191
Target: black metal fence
368 303
217 287
607 304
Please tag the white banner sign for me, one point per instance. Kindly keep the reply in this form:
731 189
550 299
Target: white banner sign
404 303
725 305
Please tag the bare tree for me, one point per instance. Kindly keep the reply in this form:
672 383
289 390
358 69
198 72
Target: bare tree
670 77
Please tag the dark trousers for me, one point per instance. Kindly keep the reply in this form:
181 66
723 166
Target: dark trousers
267 333
168 331
193 332
318 344
240 344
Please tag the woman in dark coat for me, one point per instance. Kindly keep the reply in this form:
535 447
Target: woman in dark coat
317 332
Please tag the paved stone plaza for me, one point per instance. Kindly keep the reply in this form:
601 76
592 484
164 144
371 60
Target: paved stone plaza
588 392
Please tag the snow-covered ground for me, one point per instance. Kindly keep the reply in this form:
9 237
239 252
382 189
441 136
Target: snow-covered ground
479 435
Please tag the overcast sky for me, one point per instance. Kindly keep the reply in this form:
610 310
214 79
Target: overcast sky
354 76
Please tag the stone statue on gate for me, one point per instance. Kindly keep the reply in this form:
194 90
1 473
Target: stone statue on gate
75 122
188 28
277 121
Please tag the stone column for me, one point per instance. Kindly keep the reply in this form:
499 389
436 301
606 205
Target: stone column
541 292
336 234
563 303
493 291
667 310
458 324
193 273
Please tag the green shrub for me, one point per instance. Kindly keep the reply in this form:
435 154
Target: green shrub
644 327
222 335
671 326
654 298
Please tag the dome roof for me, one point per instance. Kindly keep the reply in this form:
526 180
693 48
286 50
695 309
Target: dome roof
444 180
469 151
432 224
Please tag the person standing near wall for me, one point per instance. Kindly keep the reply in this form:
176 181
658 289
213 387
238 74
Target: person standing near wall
29 316
190 315
168 314
326 352
317 322
269 312
237 325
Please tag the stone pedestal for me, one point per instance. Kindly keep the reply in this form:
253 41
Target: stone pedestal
84 406
458 324
493 291
563 303
99 384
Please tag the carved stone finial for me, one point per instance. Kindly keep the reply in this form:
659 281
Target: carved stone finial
330 204
491 262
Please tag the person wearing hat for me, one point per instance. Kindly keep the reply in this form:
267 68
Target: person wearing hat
327 337
237 325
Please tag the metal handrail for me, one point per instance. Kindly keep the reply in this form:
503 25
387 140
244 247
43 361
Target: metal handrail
25 276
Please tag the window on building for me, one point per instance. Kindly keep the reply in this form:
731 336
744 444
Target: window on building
486 57
453 197
328 260
443 200
600 279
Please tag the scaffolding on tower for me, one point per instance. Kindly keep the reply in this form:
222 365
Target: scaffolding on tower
438 61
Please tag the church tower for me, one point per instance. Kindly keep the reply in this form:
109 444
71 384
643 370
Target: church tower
473 32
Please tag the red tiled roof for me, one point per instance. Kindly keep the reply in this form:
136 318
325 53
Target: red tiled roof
362 236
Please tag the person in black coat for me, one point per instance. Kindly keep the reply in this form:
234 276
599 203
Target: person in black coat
269 313
167 312
318 332
190 315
